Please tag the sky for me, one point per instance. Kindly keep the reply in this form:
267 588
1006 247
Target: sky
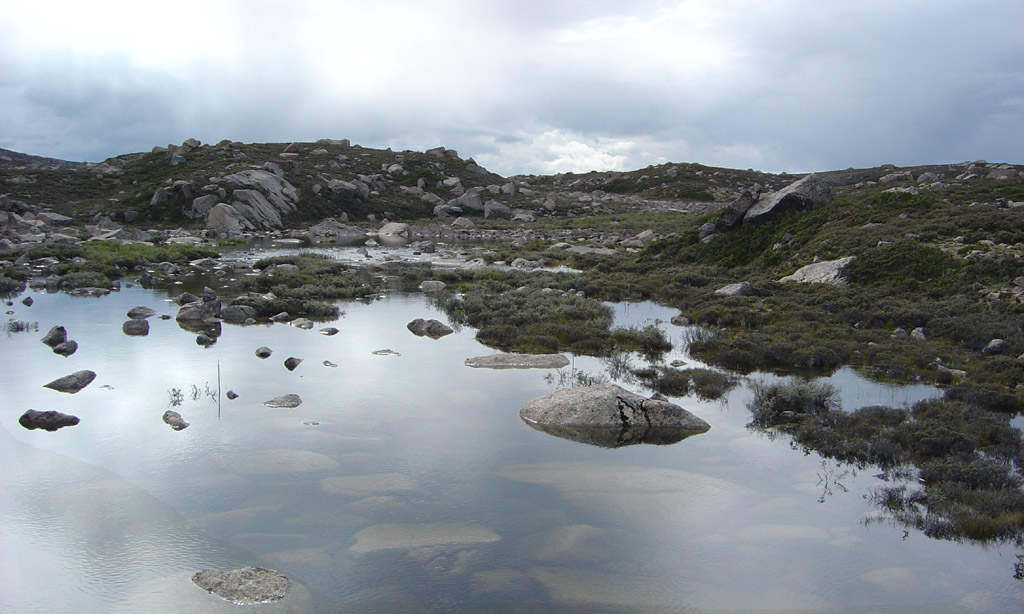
525 86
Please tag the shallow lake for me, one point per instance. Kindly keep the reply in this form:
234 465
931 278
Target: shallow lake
408 482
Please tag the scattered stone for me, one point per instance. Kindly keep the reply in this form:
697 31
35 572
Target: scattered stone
302 323
46 420
328 363
292 363
56 336
281 317
236 314
135 328
996 346
245 586
918 334
518 361
231 395
72 383
263 352
741 289
824 272
680 320
27 301
286 401
66 348
329 331
429 328
386 353
140 313
174 420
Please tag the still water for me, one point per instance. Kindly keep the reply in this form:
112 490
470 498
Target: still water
408 482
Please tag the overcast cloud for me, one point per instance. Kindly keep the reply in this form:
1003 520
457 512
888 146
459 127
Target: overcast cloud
524 86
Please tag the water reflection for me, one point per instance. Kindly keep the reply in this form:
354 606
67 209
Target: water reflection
616 437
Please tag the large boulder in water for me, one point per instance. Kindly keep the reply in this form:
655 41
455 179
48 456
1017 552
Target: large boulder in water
56 336
434 329
610 416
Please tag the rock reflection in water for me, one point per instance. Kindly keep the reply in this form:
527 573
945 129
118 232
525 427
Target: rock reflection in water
610 437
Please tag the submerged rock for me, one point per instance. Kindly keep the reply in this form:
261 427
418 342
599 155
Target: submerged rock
174 420
518 361
286 401
46 420
429 328
244 586
72 383
136 328
610 416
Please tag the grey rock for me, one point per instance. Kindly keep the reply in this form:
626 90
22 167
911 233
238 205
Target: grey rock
429 328
66 349
245 586
46 420
996 346
140 313
518 361
205 340
281 317
742 288
394 229
894 177
198 311
918 334
329 331
825 272
56 336
495 210
291 363
237 314
328 363
610 416
263 352
285 401
463 222
201 206
72 383
302 323
174 420
135 328
731 217
803 194
27 301
432 286
231 395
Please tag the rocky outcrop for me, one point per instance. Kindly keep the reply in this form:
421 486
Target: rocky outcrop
46 420
810 190
825 272
259 200
429 328
72 383
245 586
518 361
610 416
731 217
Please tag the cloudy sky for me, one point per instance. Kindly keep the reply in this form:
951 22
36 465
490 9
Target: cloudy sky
525 86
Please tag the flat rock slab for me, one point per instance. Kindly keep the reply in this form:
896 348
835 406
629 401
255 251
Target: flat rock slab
383 537
72 383
141 313
518 361
46 420
174 420
244 586
286 401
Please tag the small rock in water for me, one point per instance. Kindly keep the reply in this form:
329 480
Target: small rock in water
205 340
329 331
311 423
245 586
292 362
231 395
72 383
328 363
281 317
56 336
386 353
174 420
302 323
27 301
46 420
264 352
66 349
434 329
141 313
287 401
677 363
